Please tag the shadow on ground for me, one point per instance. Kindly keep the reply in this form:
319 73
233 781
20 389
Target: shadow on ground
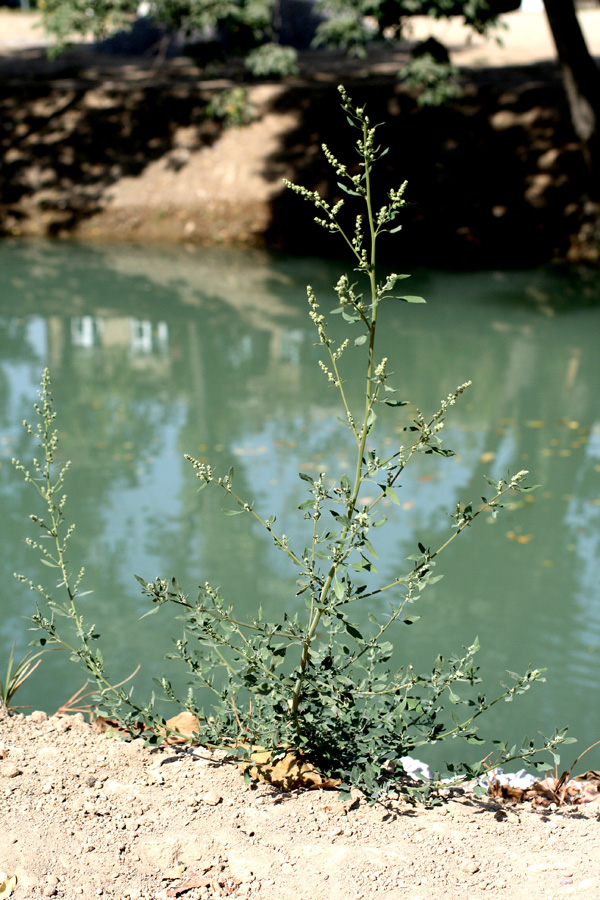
495 176
71 128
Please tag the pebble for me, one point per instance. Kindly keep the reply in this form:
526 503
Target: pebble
470 867
211 798
39 716
9 770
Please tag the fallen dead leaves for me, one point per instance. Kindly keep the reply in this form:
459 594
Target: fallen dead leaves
553 790
519 538
293 771
288 773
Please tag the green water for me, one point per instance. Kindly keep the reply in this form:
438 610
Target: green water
154 354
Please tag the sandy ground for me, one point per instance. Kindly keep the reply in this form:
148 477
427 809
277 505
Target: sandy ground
83 815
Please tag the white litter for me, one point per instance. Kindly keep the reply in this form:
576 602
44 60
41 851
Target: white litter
521 779
416 769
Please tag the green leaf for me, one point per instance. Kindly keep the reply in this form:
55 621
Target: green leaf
232 512
51 565
150 612
370 548
308 504
391 493
361 339
434 578
409 620
353 632
412 299
347 190
338 588
306 477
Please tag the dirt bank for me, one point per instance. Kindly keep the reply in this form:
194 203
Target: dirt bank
104 147
86 816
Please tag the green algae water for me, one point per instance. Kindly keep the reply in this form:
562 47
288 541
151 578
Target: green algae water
154 354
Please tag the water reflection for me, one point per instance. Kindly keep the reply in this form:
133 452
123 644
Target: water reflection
157 354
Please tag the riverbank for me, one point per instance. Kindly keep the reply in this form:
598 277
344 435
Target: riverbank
110 148
86 815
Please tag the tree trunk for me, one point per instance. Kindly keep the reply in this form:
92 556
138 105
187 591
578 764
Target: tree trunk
581 78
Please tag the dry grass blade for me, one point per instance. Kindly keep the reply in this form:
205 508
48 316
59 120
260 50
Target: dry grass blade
68 708
562 783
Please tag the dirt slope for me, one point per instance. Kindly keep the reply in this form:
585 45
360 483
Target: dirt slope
83 815
110 148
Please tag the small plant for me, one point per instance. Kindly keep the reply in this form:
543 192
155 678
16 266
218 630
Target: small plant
272 59
317 682
434 80
48 481
16 675
231 107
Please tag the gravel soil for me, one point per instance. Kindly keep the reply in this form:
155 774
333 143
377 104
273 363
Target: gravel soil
85 815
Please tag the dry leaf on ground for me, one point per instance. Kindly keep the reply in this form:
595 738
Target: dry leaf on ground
290 773
185 724
7 886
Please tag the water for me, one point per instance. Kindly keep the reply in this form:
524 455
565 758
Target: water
154 354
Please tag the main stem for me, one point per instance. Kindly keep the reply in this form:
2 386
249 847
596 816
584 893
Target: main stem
317 613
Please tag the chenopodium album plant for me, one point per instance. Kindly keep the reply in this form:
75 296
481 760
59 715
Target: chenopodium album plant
315 682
